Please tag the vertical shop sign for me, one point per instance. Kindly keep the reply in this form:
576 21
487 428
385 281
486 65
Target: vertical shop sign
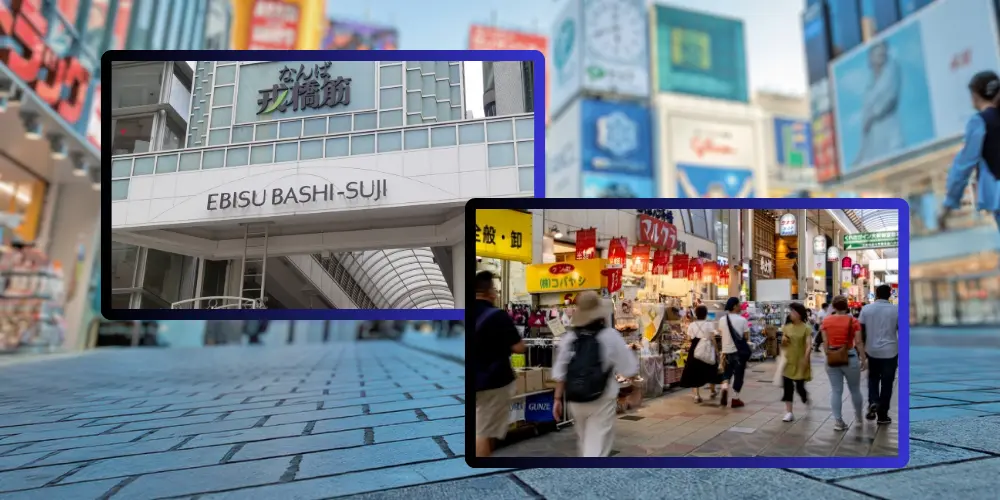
586 244
711 272
616 252
833 254
787 225
661 262
845 263
657 233
614 279
819 245
640 259
58 79
680 266
723 278
695 269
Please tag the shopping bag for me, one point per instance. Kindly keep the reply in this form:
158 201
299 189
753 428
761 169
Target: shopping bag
779 377
705 352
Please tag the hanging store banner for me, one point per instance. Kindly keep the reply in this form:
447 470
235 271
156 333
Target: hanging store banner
504 234
695 269
661 262
568 276
680 265
614 279
819 245
640 259
871 241
845 263
656 233
833 254
711 272
617 253
586 244
787 226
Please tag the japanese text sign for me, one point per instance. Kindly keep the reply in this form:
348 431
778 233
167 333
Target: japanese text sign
640 259
616 252
308 87
503 234
586 244
869 241
657 233
568 276
614 278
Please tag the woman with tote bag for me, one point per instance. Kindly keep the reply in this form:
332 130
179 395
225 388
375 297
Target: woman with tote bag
702 365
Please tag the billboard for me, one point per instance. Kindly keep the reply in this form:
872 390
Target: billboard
617 138
273 24
906 89
711 142
793 143
490 38
599 185
595 52
699 181
699 54
562 154
816 37
347 35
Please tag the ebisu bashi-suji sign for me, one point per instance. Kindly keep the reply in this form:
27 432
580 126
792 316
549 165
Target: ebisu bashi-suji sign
308 87
372 190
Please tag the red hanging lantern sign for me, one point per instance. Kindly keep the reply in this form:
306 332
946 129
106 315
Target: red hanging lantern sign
661 262
616 252
695 269
845 263
657 233
680 266
723 278
640 259
711 272
586 244
614 279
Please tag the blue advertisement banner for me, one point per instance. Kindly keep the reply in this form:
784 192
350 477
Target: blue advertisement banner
700 54
597 185
538 407
617 138
695 181
793 143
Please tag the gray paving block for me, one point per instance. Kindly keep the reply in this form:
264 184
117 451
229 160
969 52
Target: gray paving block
82 442
16 461
921 454
966 480
456 443
438 393
225 408
413 404
149 463
110 451
193 429
400 432
945 413
147 425
78 491
314 415
127 419
363 421
368 457
29 437
496 487
35 477
199 403
643 484
114 413
205 479
974 433
969 396
276 410
246 435
47 427
369 400
457 410
300 444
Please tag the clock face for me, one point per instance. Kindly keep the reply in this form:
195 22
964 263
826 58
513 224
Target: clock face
616 30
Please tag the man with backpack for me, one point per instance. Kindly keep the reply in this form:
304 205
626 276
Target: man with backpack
587 359
735 331
494 339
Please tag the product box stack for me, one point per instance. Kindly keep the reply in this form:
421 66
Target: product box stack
530 380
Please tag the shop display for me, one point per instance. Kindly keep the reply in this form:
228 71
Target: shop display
31 300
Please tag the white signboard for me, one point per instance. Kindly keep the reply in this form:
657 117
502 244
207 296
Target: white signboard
787 225
773 290
711 143
819 245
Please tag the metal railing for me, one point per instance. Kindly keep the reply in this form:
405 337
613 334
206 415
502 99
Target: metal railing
219 302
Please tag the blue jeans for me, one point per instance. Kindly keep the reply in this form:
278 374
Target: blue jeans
851 373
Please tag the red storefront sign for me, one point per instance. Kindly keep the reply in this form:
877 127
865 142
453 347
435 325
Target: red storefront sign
614 279
616 252
640 259
695 269
680 266
586 244
94 125
274 25
61 82
657 233
711 272
661 262
723 278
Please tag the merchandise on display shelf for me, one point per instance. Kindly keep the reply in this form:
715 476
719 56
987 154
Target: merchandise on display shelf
766 320
31 300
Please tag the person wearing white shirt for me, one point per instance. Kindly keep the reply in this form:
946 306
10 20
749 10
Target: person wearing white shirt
735 365
880 326
594 420
820 316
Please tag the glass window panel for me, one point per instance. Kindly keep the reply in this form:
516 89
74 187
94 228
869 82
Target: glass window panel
391 98
427 84
218 137
363 144
340 124
225 75
166 164
289 130
525 128
417 139
443 137
136 85
443 111
287 151
456 94
429 107
119 190
267 132
121 168
413 79
237 157
526 179
413 102
213 159
315 126
499 131
441 69
442 89
390 75
501 155
455 73
222 117
190 161
413 65
526 153
144 166
413 119
365 121
311 150
471 133
391 119
392 141
223 96
337 147
132 135
457 113
243 134
260 155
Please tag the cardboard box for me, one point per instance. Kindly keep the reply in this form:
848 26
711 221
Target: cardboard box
521 382
534 380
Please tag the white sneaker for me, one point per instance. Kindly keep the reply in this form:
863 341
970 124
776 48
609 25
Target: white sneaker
840 426
788 417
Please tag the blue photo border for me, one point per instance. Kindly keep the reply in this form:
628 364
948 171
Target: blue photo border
107 312
903 422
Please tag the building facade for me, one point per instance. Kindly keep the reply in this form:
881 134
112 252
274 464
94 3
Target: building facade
507 88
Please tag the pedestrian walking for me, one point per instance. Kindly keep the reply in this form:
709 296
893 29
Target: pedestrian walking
735 331
253 329
796 338
845 359
880 326
587 358
702 365
824 311
494 340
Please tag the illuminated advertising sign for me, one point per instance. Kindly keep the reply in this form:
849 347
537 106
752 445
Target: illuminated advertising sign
274 25
699 54
489 38
345 35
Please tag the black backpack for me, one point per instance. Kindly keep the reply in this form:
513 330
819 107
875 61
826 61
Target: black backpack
586 379
990 151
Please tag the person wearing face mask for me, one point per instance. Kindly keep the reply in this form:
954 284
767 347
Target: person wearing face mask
979 159
494 339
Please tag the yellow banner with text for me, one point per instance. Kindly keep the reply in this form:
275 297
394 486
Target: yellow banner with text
568 276
503 234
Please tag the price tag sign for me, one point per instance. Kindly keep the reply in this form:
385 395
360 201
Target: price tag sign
556 326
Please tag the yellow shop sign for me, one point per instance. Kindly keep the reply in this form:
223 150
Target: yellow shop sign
569 276
503 234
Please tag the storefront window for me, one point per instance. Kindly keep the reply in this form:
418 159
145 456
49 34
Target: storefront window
132 135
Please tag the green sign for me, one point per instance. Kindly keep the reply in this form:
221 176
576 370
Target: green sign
869 241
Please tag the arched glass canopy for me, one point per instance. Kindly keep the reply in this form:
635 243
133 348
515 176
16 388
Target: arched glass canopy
874 220
400 279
